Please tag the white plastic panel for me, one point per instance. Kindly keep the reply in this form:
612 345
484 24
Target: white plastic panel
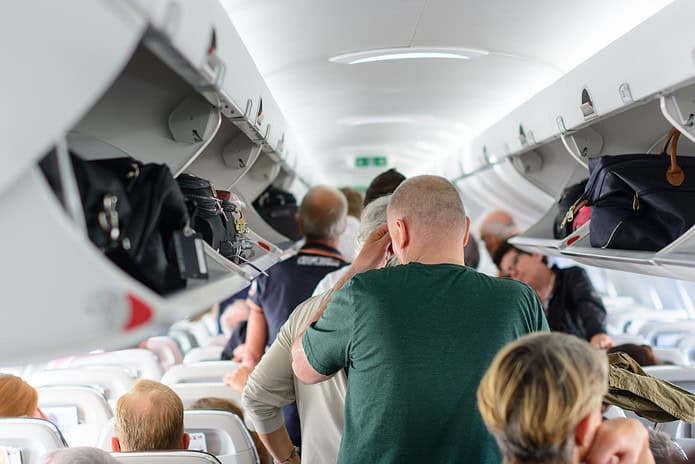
79 56
207 371
144 362
35 437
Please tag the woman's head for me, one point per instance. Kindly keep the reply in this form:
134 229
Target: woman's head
541 397
17 398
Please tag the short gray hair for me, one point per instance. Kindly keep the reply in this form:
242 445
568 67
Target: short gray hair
373 216
80 455
323 213
665 450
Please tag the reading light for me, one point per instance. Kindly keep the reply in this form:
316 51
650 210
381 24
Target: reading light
407 53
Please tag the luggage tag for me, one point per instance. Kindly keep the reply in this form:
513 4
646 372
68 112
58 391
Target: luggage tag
190 255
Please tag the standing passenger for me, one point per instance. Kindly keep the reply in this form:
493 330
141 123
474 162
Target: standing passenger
496 227
272 298
348 239
416 339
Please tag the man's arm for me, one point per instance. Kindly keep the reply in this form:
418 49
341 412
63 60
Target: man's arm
374 255
256 336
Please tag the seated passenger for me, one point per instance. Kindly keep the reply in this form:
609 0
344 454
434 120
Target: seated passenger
18 398
272 384
80 455
149 418
416 337
571 304
643 354
222 404
541 399
495 228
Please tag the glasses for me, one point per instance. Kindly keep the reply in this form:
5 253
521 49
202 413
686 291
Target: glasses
513 264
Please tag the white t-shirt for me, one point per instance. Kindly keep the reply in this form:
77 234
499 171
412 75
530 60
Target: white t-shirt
348 240
329 281
272 385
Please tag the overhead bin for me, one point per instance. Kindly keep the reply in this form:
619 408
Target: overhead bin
151 87
622 100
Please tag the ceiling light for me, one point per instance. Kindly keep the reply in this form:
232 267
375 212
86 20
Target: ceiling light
407 53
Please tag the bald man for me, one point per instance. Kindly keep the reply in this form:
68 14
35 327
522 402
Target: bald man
415 339
496 227
322 217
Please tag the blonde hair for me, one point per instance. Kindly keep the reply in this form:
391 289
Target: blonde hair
536 392
17 398
149 417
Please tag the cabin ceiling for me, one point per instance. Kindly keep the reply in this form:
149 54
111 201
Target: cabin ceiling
415 112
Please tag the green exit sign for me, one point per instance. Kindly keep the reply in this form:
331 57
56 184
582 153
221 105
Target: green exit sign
370 161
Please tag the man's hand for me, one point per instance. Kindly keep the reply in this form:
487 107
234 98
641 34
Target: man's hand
237 379
602 341
620 441
375 251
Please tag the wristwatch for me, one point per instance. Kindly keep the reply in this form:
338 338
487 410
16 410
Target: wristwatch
293 454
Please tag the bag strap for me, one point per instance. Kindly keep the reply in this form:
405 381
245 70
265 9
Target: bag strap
674 174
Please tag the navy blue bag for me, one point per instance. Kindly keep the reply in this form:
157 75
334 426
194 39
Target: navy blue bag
640 202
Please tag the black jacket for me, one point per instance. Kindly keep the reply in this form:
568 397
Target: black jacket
575 307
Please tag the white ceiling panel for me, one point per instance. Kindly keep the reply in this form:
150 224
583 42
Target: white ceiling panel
415 111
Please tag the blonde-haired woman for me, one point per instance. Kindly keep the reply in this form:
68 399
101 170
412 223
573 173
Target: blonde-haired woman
541 399
18 398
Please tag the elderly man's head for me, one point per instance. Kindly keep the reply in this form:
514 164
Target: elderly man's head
149 418
495 228
427 221
529 268
322 214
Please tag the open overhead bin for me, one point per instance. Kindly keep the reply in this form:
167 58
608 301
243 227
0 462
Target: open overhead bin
152 81
623 100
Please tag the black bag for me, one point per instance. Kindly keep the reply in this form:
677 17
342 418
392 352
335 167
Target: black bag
563 226
640 202
279 209
132 212
204 208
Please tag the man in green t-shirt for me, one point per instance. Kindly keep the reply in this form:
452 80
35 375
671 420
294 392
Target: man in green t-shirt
416 339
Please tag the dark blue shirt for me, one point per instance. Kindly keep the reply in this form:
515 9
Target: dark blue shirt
292 281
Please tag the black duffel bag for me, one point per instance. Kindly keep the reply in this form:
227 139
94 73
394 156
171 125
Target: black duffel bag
204 208
279 209
132 212
640 202
563 226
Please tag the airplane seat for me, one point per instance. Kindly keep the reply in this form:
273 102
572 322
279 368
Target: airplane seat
620 339
220 433
183 338
204 353
143 362
79 412
166 457
191 392
686 345
666 333
113 381
32 437
198 329
166 350
673 429
670 356
613 412
683 376
688 447
208 371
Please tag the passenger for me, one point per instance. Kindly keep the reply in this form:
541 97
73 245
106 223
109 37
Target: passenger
541 399
222 404
80 455
272 298
384 184
232 317
571 304
348 239
18 398
417 337
495 228
272 384
643 354
149 418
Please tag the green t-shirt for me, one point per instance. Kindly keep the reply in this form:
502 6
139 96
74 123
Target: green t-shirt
416 340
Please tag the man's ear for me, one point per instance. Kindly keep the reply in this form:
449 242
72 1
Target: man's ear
467 232
402 234
185 441
115 445
586 429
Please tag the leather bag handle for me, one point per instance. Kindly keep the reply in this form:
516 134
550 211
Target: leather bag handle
674 174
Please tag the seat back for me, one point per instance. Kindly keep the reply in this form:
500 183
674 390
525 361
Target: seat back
203 353
34 437
166 457
143 362
183 338
666 333
80 412
688 447
208 371
225 435
113 381
166 349
190 392
199 330
670 356
686 345
683 376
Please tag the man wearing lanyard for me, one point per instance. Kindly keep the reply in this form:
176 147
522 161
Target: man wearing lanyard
322 218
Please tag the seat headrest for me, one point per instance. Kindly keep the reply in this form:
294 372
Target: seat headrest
35 437
166 457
